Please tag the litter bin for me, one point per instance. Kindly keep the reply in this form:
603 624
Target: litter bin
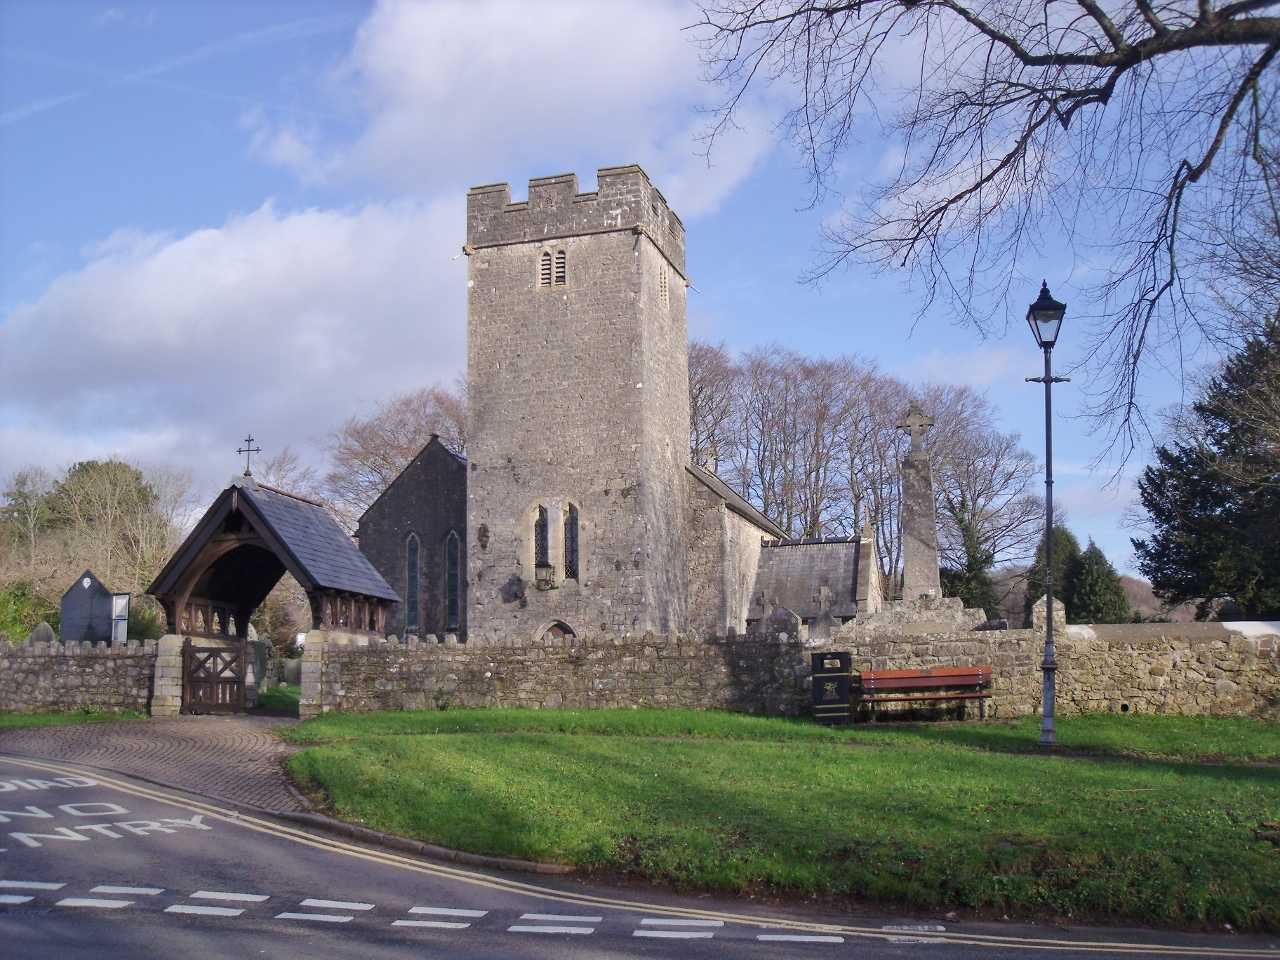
832 678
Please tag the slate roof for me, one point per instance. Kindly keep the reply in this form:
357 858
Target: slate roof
792 572
328 556
734 501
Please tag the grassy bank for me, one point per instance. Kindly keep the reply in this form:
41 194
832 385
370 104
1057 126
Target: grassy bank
14 721
281 698
956 815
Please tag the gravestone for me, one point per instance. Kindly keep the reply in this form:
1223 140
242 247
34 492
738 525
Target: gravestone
920 578
824 625
782 625
43 633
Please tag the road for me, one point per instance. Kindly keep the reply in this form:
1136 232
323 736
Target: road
98 865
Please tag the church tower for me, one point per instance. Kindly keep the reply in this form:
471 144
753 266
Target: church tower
578 410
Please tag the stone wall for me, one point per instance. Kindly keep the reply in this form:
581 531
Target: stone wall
57 677
736 673
1224 670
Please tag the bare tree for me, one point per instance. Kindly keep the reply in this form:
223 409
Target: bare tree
367 454
713 396
1023 120
287 471
26 510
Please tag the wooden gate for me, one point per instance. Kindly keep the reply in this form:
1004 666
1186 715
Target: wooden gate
213 678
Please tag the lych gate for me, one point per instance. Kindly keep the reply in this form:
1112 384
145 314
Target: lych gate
246 541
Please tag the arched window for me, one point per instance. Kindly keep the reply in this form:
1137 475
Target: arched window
452 584
412 625
561 268
541 542
571 543
544 269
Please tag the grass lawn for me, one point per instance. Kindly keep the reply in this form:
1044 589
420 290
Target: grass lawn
280 698
13 721
961 815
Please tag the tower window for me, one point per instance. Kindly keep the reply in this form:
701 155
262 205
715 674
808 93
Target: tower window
452 583
571 543
544 269
541 544
561 268
411 621
663 293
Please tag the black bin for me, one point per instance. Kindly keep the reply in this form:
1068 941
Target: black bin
832 678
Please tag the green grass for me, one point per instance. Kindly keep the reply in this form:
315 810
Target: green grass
1150 736
944 815
280 698
14 721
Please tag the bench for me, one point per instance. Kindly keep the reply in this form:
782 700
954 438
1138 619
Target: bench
939 684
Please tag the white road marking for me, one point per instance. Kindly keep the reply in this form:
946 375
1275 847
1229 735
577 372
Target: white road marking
322 917
336 904
29 885
675 934
142 891
798 938
449 912
556 916
239 897
204 911
916 927
441 924
664 922
14 898
93 902
529 929
908 940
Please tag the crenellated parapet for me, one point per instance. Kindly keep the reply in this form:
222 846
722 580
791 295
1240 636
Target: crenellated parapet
624 201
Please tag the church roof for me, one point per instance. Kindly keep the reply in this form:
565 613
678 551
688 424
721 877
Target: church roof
435 441
792 574
734 500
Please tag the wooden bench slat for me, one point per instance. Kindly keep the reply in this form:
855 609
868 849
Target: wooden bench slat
924 683
927 696
932 672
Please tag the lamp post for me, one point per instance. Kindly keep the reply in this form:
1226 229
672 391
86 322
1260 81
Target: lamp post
1045 318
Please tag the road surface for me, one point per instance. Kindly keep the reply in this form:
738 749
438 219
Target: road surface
97 865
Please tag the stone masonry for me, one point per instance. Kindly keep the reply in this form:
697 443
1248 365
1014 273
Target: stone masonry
57 677
577 397
1203 668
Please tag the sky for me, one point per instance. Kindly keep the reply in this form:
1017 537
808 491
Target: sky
221 217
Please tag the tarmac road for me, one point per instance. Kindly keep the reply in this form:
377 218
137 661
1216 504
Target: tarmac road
98 865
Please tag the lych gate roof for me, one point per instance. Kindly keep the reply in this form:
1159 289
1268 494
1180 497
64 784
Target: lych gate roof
331 560
300 536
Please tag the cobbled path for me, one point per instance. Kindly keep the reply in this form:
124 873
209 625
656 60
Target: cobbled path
234 758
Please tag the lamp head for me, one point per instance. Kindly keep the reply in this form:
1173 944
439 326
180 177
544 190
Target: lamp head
1045 318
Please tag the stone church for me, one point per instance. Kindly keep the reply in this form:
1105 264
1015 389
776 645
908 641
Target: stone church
576 508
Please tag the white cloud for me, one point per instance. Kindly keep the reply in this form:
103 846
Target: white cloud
460 93
981 367
282 323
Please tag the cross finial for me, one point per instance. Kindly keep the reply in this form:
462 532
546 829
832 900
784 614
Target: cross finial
248 449
915 422
824 599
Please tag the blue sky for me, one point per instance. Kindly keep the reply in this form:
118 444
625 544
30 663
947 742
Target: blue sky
220 217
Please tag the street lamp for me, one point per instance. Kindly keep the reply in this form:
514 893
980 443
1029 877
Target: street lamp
1045 317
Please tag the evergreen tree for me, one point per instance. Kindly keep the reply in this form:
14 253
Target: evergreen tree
1095 594
1213 496
971 583
1066 557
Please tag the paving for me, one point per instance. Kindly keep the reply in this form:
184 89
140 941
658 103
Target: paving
234 758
